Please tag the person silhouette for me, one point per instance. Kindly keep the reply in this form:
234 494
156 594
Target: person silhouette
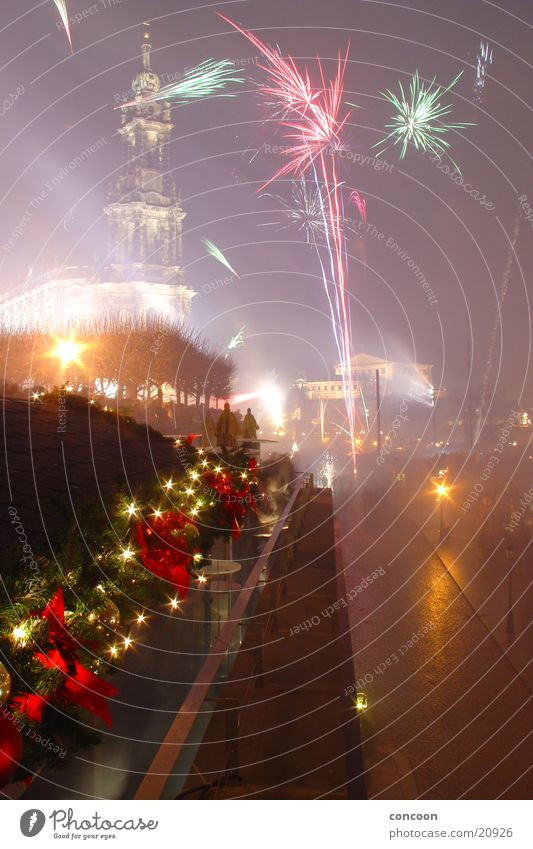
227 428
250 426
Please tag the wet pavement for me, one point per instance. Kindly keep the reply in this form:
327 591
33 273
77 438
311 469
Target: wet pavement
448 714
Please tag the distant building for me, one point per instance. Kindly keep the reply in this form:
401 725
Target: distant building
318 405
395 379
141 276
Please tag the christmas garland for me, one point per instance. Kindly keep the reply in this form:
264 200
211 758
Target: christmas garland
65 625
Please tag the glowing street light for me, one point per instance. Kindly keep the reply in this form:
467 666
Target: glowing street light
67 351
442 489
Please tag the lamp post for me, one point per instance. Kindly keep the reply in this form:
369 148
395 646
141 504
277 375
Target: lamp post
510 554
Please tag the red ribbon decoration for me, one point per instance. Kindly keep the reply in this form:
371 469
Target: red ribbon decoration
80 685
232 499
166 557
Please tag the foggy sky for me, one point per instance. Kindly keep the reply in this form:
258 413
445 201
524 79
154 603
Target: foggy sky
58 105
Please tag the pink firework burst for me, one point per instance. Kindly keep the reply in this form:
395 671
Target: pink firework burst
313 122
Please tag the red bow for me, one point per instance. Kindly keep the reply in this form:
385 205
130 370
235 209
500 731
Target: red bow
80 686
167 557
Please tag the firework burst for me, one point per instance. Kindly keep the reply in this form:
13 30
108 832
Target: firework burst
419 119
313 123
303 210
208 79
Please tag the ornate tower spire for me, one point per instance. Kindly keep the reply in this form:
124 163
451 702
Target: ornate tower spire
146 47
144 214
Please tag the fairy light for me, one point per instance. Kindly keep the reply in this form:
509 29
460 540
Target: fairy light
218 469
36 396
189 491
141 619
205 463
157 513
113 651
194 511
127 554
201 578
361 702
198 558
169 484
174 603
131 509
244 476
20 633
127 642
195 475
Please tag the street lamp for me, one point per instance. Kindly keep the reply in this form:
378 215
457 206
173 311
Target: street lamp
510 554
67 351
441 491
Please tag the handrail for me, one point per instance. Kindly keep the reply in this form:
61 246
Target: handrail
153 783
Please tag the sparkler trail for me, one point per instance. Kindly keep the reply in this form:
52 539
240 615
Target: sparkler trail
61 7
498 320
208 79
483 60
418 120
314 122
217 254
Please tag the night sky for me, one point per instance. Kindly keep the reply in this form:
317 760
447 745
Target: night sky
65 103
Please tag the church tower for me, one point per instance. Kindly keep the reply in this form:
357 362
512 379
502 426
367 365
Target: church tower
141 276
144 215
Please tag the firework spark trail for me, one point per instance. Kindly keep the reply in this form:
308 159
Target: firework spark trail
498 320
483 60
217 254
236 341
327 471
61 7
314 128
208 79
418 119
356 198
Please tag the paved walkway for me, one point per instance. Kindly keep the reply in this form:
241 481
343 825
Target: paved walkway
485 580
448 716
297 724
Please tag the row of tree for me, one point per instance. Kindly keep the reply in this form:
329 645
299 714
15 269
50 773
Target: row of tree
139 360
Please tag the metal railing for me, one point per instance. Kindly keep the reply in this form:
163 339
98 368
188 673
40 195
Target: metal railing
161 769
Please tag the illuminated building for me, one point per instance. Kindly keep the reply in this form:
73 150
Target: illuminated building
141 276
395 379
318 405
